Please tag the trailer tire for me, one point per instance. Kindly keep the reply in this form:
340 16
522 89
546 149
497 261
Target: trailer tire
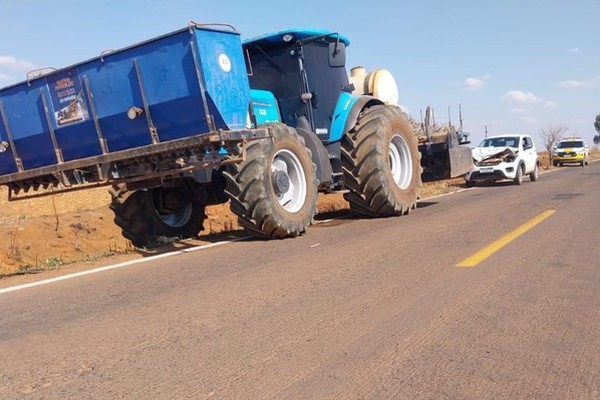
381 163
141 222
274 191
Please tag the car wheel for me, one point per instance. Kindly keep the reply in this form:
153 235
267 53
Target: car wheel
519 176
535 174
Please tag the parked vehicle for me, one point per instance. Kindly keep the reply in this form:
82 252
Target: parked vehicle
509 157
193 118
571 150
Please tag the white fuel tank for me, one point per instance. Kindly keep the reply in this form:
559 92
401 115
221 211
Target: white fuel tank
379 83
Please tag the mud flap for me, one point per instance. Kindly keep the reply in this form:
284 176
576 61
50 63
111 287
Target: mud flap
445 159
461 161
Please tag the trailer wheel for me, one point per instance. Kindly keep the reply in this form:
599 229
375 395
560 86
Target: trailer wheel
381 163
144 219
274 192
180 214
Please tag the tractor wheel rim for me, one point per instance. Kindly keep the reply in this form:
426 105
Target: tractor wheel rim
288 163
400 162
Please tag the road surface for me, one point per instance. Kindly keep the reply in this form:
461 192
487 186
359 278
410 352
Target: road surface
354 309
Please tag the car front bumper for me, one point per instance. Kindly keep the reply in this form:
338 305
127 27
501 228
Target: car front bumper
568 157
492 173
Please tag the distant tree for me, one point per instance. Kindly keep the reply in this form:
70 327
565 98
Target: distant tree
551 137
597 126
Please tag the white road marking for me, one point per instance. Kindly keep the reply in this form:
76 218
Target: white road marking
116 266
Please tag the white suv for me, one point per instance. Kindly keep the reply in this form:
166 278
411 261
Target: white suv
504 157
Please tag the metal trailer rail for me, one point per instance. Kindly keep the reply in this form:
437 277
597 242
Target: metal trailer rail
149 162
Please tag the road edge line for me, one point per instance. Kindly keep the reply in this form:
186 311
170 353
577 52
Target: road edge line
116 266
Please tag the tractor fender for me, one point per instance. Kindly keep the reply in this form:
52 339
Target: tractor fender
319 153
346 114
360 104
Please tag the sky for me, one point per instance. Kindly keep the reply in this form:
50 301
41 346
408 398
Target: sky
514 66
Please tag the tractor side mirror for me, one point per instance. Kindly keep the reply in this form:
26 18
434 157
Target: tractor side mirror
337 54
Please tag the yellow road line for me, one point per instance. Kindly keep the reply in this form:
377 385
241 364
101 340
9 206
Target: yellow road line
504 240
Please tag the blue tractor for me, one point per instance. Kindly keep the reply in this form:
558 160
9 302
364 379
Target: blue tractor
324 138
196 117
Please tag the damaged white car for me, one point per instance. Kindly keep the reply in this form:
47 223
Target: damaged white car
500 158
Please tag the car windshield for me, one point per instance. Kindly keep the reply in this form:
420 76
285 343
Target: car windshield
508 141
570 143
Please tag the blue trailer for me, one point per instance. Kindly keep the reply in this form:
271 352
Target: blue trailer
196 117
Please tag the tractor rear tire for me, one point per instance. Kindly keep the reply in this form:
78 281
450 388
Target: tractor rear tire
274 191
381 163
143 224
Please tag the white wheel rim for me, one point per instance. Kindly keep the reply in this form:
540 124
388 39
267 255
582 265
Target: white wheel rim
400 162
178 218
293 198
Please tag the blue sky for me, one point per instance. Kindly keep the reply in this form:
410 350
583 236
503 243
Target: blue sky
515 66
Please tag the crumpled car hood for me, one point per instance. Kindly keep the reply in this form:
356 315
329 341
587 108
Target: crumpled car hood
492 153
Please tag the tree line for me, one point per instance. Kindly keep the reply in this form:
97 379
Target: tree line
597 126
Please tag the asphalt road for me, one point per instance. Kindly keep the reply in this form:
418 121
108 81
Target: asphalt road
355 309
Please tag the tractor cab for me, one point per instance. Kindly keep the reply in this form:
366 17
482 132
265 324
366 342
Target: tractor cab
305 71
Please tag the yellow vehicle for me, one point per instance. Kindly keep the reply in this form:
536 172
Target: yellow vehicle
571 150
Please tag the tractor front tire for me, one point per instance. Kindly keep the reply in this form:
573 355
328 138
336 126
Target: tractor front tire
381 163
274 191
